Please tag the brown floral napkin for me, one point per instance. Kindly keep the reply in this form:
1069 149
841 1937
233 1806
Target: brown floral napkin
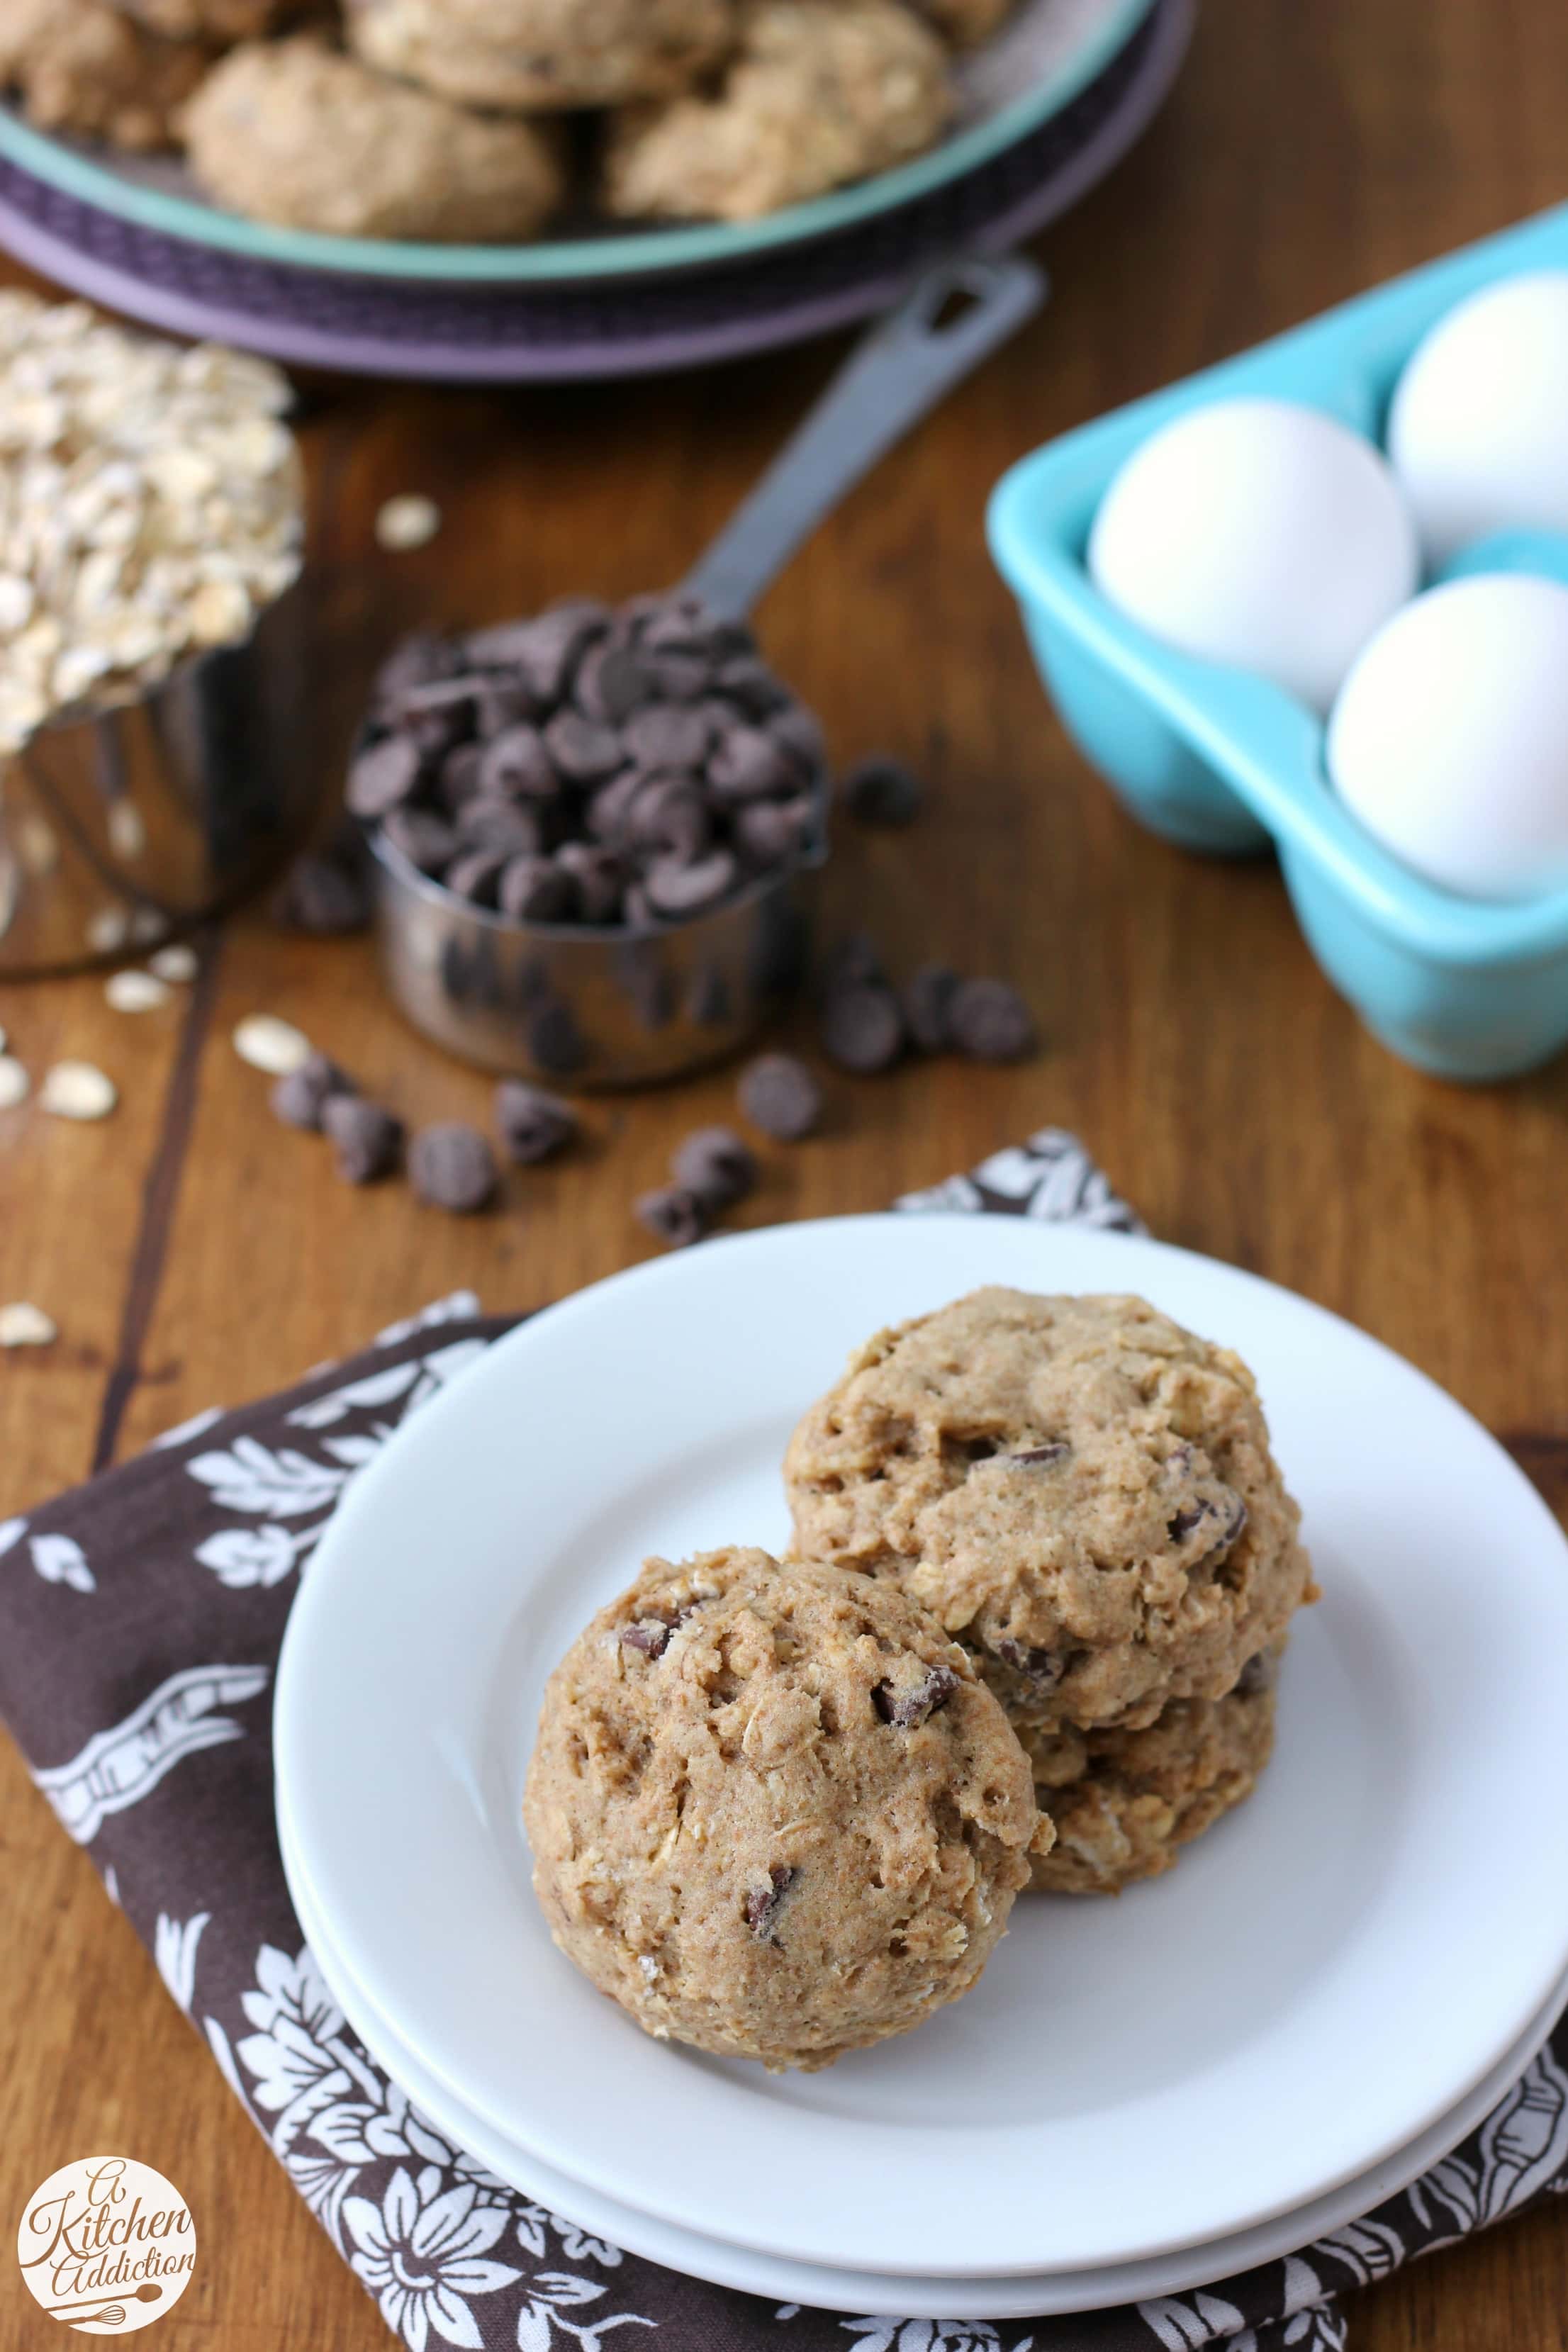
140 1625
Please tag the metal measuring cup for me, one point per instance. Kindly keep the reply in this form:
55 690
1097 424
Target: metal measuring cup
615 1006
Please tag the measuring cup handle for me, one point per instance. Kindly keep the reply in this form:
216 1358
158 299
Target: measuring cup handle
896 375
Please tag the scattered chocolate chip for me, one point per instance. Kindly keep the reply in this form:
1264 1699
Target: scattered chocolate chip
749 765
367 1139
476 874
673 1216
302 1096
1043 1457
453 1168
383 776
764 1904
906 1710
532 1125
716 1165
675 890
991 1022
555 1039
1044 1668
779 1094
428 842
882 791
926 996
862 1029
325 897
583 751
535 891
1259 1674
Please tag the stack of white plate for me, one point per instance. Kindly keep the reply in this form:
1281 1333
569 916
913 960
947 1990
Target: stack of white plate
1142 2094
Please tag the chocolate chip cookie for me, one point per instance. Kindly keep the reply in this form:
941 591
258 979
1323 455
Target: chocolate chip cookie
292 132
544 54
821 92
1077 1487
773 1812
1123 1803
212 20
81 66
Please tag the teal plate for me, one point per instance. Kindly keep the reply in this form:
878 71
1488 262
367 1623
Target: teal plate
1107 26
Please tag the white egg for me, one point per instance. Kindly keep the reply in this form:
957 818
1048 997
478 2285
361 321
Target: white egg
1478 433
1260 533
1450 738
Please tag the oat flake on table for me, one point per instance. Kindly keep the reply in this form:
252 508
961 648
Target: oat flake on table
151 506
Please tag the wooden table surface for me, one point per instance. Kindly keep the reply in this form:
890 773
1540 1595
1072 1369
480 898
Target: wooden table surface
192 1251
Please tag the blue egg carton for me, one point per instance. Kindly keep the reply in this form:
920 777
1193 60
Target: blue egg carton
1222 762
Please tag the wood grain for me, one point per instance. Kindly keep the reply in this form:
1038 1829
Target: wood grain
191 1251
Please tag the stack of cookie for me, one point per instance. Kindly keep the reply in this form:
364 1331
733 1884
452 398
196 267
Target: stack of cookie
1083 1494
1046 1566
447 120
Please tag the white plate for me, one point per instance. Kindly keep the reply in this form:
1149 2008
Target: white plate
1321 1979
1059 2293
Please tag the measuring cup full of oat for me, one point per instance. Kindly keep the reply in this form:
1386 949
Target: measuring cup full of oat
153 762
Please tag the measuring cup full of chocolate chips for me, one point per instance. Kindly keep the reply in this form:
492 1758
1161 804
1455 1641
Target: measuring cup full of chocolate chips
591 829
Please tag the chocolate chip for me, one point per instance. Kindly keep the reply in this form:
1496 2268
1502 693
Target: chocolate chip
673 1216
499 708
610 684
906 1710
440 694
675 889
764 1904
882 791
1226 1524
680 678
324 898
651 1635
555 1039
749 765
991 1022
414 663
716 1165
427 842
751 686
516 762
669 735
1259 1674
452 1167
367 1139
611 805
383 776
770 832
862 1029
509 826
299 1098
461 776
798 730
543 651
534 890
1044 1668
928 996
1043 1457
476 874
532 1125
599 878
779 1094
671 816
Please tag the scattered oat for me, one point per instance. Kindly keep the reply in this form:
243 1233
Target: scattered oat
177 964
127 830
22 1325
407 522
136 991
270 1045
150 506
109 930
77 1090
15 1083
